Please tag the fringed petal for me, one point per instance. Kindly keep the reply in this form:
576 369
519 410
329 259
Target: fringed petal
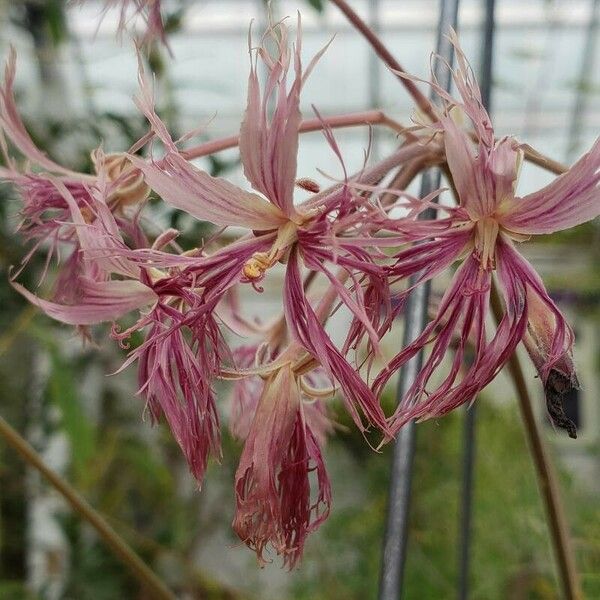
13 127
187 188
273 485
175 377
461 316
571 199
269 142
309 332
268 148
549 338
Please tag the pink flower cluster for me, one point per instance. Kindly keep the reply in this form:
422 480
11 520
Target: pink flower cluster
360 237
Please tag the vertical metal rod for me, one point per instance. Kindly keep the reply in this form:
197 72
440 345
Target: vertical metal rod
396 533
588 60
466 503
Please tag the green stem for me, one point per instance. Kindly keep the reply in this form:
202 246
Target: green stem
130 559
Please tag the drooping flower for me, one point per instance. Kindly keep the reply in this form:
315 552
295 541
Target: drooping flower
45 212
181 354
276 504
483 233
247 390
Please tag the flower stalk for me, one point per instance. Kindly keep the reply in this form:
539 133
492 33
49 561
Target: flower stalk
546 477
359 119
137 567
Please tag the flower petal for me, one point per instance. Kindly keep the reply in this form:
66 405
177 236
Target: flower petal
273 489
548 339
571 199
13 125
309 332
187 188
269 144
268 148
207 198
460 322
176 378
483 181
102 301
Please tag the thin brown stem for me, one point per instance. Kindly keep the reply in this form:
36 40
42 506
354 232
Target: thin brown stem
147 579
421 100
539 159
406 175
547 482
370 117
386 56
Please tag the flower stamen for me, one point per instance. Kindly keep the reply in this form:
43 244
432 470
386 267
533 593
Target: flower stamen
486 234
256 266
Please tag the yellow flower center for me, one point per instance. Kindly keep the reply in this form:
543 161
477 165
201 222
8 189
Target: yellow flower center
256 266
486 231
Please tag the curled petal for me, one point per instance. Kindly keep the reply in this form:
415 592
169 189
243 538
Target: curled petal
176 378
483 180
269 142
309 332
101 242
461 316
187 188
548 339
12 124
101 301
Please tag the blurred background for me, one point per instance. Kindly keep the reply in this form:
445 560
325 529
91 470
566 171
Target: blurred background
74 84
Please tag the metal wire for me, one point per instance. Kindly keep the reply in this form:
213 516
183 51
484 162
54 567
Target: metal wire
396 533
588 68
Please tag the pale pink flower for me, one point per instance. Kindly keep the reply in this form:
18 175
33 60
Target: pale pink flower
46 214
483 232
282 231
275 503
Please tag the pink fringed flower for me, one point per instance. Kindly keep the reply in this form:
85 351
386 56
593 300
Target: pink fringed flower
484 232
46 213
281 231
275 503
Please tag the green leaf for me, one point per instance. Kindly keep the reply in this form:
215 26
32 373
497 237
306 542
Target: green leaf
317 5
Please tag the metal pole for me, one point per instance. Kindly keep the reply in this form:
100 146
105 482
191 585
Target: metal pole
396 533
466 507
586 76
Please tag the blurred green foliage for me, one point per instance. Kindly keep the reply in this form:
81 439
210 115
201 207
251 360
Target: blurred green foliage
511 556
